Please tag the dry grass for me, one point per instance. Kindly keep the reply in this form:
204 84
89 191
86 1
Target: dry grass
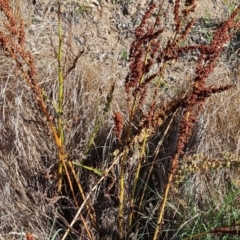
123 146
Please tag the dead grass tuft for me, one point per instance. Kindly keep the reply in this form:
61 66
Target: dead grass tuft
124 142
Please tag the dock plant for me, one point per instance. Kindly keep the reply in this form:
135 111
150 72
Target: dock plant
130 174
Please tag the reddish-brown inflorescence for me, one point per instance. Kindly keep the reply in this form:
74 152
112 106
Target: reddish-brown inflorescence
177 19
145 44
12 40
118 125
186 31
29 236
206 63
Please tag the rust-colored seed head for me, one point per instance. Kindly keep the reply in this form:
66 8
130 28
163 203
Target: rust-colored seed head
118 128
29 236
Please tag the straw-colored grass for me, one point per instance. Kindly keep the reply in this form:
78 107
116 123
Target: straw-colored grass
95 145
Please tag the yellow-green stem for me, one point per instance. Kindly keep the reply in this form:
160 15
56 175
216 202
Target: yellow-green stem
136 179
121 196
197 235
162 207
174 165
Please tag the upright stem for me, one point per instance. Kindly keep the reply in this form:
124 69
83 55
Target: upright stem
60 97
121 195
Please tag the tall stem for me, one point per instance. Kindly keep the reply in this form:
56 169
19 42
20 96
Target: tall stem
60 97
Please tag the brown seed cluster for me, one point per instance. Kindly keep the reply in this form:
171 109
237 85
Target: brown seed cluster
193 103
142 55
12 40
29 236
118 126
146 50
